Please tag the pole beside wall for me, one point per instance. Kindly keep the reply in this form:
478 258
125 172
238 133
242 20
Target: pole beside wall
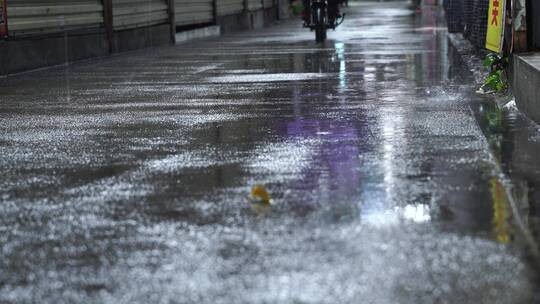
534 24
3 19
108 18
172 20
214 10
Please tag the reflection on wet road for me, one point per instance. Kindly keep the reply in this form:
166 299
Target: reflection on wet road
126 180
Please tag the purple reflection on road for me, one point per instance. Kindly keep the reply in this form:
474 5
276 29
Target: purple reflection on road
336 157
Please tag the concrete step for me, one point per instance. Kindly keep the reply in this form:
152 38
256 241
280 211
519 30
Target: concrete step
200 33
526 84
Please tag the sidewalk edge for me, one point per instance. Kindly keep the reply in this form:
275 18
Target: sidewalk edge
472 60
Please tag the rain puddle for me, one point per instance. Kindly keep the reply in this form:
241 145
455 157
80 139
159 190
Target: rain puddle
251 78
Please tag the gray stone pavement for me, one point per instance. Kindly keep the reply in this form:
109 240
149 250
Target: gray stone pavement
125 180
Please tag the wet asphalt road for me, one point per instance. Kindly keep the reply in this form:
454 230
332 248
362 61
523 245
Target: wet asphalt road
125 180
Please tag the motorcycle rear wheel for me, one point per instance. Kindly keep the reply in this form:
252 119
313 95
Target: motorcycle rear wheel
320 25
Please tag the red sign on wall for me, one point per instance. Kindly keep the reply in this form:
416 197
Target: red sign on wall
3 19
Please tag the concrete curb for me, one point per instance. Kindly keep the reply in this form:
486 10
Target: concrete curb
472 59
196 34
470 56
526 84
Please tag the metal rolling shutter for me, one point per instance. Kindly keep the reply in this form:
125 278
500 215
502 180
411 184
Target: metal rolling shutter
193 11
254 5
268 3
51 16
130 14
229 7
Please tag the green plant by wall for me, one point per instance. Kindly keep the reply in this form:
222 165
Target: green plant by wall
497 80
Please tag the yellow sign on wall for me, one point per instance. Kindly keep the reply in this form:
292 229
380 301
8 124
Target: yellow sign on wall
495 29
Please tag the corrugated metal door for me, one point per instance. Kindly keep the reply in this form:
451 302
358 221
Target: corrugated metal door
268 3
229 7
50 16
193 11
128 14
254 5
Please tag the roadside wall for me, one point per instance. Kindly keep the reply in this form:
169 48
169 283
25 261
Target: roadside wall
39 33
521 41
